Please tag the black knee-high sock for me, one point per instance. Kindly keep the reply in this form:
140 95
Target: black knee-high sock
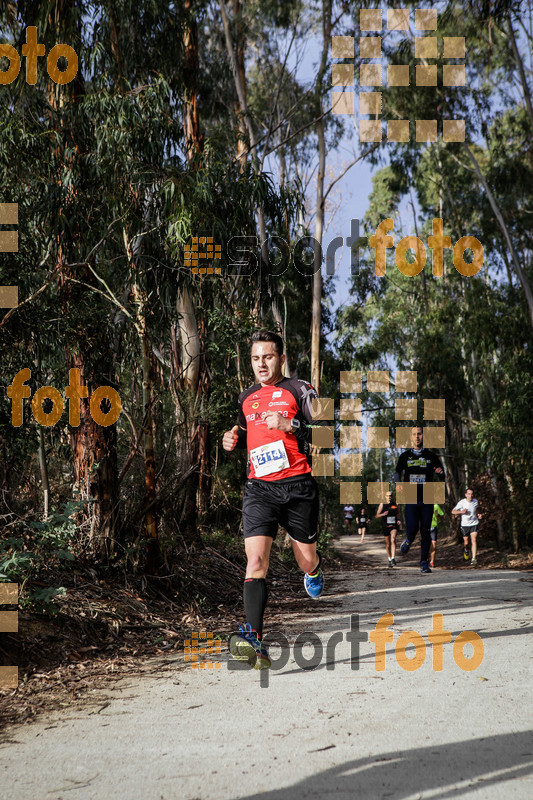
255 595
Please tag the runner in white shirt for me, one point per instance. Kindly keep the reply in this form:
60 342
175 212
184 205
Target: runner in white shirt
348 516
467 509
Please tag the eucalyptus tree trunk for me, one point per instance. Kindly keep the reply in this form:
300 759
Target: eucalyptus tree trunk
43 468
43 465
280 324
191 120
191 440
241 69
94 447
499 504
515 531
189 369
520 65
316 312
150 489
244 125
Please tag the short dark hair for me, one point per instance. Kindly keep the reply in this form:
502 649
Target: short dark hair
417 426
269 336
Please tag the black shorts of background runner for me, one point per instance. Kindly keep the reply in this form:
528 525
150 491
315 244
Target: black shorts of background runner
466 530
292 504
389 514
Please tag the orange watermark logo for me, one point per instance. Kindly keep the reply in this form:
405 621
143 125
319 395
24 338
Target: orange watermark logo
380 636
380 242
9 623
32 50
202 644
17 391
437 637
193 254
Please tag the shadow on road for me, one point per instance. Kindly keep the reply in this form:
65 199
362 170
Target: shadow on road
412 600
449 770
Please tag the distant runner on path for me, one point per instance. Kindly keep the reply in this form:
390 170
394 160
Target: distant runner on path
275 422
437 512
467 509
390 518
348 516
362 523
418 465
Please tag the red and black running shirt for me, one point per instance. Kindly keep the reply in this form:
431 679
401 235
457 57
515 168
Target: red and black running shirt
292 398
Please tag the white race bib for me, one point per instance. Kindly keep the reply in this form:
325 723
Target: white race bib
391 520
417 478
269 458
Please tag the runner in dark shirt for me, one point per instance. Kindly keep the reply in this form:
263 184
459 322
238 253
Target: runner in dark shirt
362 523
418 465
390 518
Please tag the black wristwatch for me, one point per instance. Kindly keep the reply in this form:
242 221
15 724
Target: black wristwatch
295 425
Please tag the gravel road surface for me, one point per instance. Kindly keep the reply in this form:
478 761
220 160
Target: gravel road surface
341 729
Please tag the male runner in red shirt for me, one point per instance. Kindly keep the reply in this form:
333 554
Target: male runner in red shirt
275 420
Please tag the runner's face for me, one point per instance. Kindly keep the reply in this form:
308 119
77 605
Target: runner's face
417 438
469 495
388 496
266 363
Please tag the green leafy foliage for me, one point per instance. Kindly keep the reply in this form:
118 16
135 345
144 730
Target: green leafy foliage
42 549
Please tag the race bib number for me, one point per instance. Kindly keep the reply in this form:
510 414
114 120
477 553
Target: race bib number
417 478
269 458
391 520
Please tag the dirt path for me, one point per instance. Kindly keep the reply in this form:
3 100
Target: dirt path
342 729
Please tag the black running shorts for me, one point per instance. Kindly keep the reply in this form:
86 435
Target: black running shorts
466 530
293 504
387 530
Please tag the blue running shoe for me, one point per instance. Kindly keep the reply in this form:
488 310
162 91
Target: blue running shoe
404 547
424 567
245 646
314 584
